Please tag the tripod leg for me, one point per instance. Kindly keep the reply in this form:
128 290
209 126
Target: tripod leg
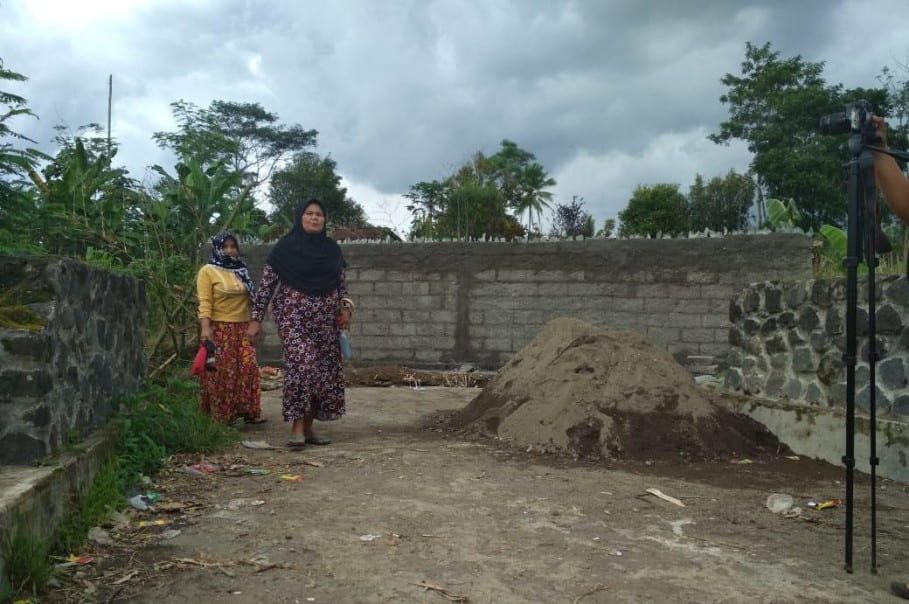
872 224
853 256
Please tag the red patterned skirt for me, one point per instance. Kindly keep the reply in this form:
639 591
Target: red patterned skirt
232 390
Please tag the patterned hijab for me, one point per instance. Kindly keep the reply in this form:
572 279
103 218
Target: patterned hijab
235 265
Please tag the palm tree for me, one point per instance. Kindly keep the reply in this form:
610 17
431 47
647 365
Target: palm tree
533 197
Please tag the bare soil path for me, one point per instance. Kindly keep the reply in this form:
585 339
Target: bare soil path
397 501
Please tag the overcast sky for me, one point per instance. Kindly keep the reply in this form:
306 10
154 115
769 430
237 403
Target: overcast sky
608 94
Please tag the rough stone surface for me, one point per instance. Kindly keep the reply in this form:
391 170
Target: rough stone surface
773 299
888 320
892 373
807 354
60 378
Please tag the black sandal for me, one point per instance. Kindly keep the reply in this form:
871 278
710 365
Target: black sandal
254 420
317 440
900 588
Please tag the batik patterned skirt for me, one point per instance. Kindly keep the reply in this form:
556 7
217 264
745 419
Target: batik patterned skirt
231 391
313 370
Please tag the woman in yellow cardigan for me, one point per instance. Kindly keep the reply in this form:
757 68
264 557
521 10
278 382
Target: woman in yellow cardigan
225 292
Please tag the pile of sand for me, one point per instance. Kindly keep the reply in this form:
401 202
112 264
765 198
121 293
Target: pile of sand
598 393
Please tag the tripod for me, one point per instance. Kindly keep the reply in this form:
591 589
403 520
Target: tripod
863 235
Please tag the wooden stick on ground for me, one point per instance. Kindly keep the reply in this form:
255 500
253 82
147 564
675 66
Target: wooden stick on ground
451 597
596 588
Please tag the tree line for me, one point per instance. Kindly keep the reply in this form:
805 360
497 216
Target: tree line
80 203
234 156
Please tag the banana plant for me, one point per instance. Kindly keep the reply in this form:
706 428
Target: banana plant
783 216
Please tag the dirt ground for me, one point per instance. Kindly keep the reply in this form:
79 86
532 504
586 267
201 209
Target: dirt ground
399 500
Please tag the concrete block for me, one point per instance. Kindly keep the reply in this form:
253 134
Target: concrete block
428 356
492 304
373 329
698 336
635 305
387 288
415 288
403 329
442 287
359 289
426 302
701 277
658 305
715 349
687 321
698 306
399 276
719 292
443 316
505 290
664 335
371 274
505 275
499 344
552 289
589 290
409 315
718 320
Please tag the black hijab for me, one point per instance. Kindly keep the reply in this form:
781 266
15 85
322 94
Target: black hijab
308 262
235 265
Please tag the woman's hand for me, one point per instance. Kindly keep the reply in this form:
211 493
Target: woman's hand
344 319
253 330
880 127
205 331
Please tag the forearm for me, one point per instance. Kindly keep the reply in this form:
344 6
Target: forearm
893 185
264 293
205 294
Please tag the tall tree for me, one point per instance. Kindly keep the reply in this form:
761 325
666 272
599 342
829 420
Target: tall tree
774 106
310 176
722 204
244 135
654 210
521 180
427 200
476 200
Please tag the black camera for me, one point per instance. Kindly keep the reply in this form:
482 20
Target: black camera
855 118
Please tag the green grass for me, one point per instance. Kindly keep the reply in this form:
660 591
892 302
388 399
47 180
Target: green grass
103 496
28 565
162 420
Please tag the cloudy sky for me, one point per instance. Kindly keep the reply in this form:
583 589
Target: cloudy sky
608 94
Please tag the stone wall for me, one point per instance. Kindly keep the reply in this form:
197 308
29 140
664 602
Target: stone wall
478 303
71 340
787 341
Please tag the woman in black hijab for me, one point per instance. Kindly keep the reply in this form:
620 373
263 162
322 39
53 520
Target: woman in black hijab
305 274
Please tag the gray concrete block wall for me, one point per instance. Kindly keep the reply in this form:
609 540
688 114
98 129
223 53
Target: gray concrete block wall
451 303
59 379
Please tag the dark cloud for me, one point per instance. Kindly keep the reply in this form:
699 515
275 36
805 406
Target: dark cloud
608 95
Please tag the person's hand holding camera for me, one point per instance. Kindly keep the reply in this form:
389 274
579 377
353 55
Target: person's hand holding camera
890 179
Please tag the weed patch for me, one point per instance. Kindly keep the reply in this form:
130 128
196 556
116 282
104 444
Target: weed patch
28 565
162 420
